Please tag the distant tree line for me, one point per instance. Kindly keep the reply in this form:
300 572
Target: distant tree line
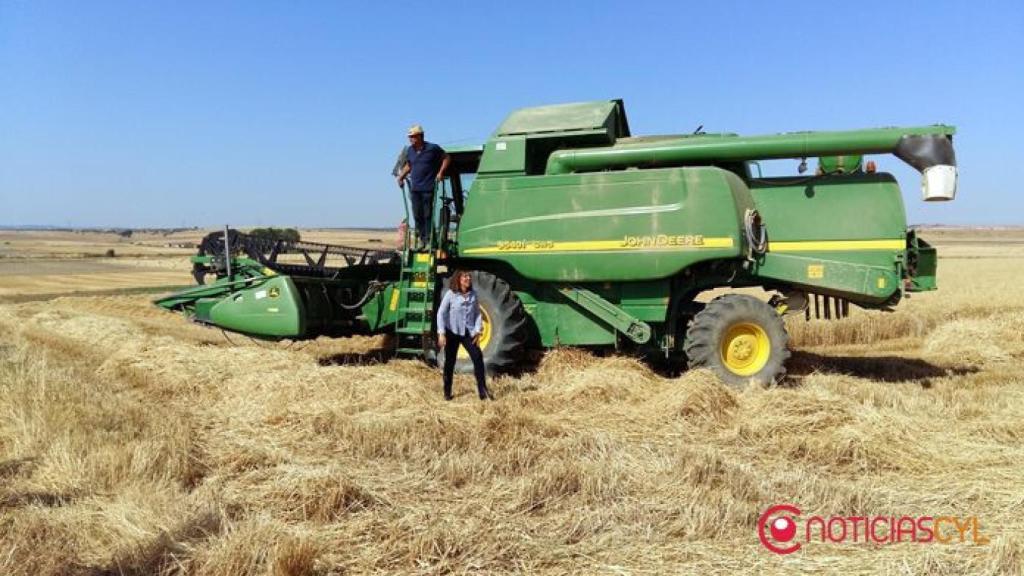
286 234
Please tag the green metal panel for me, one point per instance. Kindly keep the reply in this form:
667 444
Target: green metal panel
272 309
189 296
629 225
848 207
922 262
839 274
634 328
570 326
842 235
560 322
505 156
382 310
648 301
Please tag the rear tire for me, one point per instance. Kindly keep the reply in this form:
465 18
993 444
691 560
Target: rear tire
503 342
741 339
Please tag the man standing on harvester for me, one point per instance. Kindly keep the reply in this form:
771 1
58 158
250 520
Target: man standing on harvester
425 165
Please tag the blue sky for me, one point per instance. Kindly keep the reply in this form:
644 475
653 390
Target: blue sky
291 113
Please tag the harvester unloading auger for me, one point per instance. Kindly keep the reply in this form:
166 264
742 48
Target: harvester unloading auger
579 234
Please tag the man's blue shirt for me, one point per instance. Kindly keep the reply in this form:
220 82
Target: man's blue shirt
425 164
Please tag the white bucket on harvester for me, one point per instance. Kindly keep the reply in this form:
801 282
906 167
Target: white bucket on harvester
938 183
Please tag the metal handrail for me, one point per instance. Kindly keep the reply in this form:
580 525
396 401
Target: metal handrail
405 204
437 203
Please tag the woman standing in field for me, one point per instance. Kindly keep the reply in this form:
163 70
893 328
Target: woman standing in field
459 322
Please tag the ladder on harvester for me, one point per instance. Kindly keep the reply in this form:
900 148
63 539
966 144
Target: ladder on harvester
416 286
415 304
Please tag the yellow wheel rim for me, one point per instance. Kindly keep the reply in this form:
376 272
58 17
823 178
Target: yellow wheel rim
485 334
745 349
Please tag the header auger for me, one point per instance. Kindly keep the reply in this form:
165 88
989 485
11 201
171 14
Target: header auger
580 234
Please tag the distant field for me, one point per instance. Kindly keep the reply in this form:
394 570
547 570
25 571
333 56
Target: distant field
134 442
50 263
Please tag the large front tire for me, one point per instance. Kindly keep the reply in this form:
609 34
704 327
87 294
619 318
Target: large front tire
741 339
504 336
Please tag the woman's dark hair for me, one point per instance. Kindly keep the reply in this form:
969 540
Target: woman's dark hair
453 282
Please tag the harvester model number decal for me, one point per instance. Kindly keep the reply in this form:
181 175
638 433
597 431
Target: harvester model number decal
526 245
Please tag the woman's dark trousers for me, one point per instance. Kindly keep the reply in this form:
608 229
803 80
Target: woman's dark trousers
451 349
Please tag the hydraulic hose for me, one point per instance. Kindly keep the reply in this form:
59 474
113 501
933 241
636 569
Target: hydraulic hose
371 291
757 236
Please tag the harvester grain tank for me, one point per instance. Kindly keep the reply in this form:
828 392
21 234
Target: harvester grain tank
579 234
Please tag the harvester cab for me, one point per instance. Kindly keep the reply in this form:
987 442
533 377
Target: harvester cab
579 233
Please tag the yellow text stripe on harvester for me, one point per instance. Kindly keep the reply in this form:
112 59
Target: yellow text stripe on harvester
629 243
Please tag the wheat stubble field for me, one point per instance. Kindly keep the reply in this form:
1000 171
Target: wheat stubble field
133 442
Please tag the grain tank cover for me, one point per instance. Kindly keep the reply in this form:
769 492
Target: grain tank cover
522 143
604 117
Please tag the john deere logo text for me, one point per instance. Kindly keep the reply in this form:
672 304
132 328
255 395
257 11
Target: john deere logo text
782 531
662 240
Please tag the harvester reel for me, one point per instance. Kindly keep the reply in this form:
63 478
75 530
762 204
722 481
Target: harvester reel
213 245
199 272
320 260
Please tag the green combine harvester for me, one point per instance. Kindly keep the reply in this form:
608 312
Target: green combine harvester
579 234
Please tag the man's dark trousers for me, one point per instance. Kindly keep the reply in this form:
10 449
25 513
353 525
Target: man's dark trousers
451 349
422 202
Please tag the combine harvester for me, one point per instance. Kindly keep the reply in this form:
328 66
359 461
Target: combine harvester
579 234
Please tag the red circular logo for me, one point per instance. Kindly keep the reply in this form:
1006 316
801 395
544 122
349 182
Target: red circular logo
780 522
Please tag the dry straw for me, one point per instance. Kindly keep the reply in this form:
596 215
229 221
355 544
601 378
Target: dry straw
132 442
